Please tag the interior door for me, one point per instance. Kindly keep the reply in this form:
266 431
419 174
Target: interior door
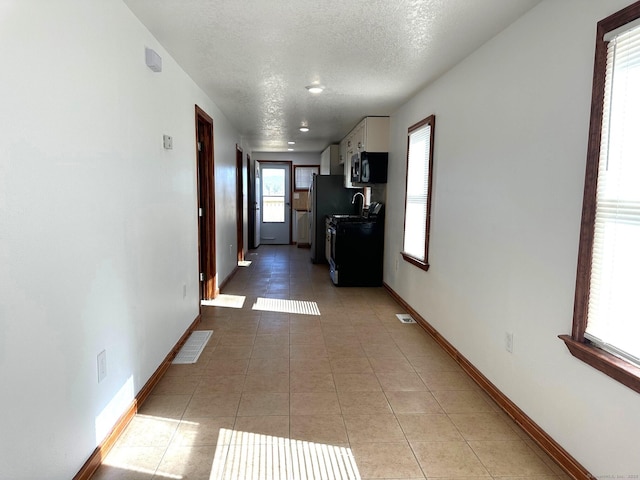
258 202
275 226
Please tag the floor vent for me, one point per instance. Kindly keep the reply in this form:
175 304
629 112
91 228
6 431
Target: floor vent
193 347
405 318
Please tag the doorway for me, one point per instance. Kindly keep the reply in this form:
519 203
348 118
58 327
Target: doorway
239 206
206 205
275 225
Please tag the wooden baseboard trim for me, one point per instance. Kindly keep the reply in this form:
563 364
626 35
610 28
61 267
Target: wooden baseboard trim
101 451
552 448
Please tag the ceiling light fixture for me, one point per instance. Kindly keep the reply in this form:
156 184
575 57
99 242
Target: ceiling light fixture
290 149
304 129
291 143
315 88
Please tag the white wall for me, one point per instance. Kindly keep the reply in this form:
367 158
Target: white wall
98 226
510 150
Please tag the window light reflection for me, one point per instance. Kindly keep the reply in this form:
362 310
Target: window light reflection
224 300
253 456
301 307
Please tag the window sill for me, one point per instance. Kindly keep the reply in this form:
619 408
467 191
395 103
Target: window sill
618 369
414 261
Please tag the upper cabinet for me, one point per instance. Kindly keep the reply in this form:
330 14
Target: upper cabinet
330 161
370 135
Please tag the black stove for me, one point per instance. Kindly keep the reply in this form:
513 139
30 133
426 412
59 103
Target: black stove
357 245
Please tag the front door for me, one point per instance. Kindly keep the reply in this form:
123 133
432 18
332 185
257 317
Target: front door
275 226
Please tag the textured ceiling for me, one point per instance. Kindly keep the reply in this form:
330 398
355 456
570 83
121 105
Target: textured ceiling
255 57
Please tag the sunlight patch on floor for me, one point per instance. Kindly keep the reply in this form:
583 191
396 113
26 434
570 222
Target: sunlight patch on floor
224 300
253 456
244 263
301 307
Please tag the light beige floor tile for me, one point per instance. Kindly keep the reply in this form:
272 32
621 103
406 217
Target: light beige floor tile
231 351
220 383
204 431
401 381
345 351
365 404
373 428
461 401
309 365
356 382
270 351
483 426
130 463
425 427
327 429
264 429
509 458
447 381
263 340
268 366
312 382
227 366
308 351
386 461
237 339
435 362
165 406
148 431
390 365
258 404
305 339
267 383
413 402
190 462
177 385
217 404
351 365
193 369
448 459
315 403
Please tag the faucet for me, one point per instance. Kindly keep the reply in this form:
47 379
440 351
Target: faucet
353 200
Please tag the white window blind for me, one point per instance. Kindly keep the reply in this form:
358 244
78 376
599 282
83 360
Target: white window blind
415 228
613 318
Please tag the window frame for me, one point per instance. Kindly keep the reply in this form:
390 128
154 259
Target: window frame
619 369
313 170
422 264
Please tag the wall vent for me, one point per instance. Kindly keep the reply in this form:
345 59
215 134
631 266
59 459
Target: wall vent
193 347
405 318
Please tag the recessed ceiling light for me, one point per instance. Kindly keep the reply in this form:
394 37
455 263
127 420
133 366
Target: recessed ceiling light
290 149
315 88
291 143
304 129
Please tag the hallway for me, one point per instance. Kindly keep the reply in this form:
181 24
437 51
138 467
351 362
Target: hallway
346 391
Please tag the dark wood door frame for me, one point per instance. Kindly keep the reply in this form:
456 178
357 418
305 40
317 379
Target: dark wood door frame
206 205
239 205
251 205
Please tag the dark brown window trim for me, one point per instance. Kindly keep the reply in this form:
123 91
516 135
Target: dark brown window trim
414 261
624 372
422 264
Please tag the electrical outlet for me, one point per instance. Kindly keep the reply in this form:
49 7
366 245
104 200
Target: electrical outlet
102 365
230 249
508 342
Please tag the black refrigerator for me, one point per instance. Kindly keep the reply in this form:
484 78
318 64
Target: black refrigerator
327 196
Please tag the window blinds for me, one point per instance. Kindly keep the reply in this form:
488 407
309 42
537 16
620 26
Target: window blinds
415 228
613 318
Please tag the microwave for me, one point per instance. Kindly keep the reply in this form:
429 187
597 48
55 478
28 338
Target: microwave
369 167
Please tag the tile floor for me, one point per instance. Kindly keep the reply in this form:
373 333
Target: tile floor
350 393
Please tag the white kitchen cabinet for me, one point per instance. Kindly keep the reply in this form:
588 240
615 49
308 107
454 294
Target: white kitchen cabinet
370 135
330 161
